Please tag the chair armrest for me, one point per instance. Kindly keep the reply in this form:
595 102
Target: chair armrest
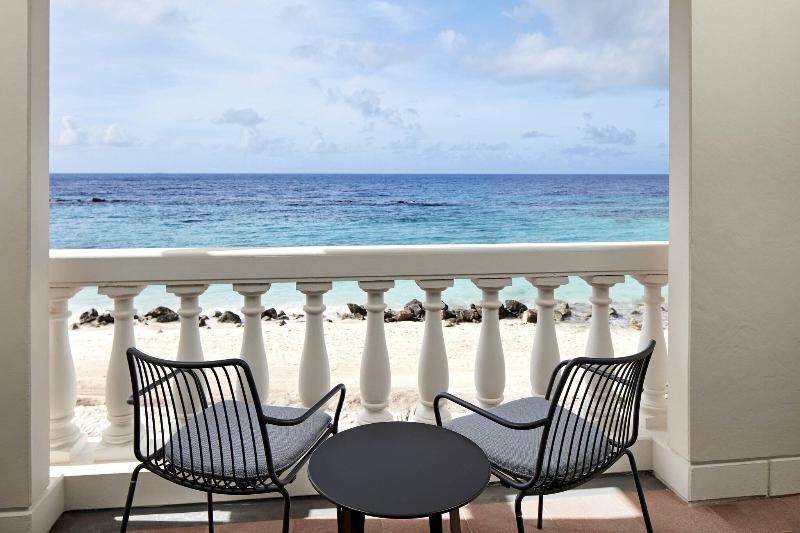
484 413
338 389
172 375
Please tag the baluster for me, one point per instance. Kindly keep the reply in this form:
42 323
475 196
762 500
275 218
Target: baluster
433 375
376 373
315 372
490 365
545 354
66 439
253 352
599 342
118 434
190 349
654 403
189 346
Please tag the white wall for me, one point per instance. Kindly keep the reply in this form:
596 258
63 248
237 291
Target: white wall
735 239
24 407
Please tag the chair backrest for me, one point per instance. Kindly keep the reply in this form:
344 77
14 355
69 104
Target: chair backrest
594 417
198 423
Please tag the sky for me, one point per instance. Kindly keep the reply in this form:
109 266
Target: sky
359 86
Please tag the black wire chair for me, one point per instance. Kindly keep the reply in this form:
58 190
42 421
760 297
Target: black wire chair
202 425
577 431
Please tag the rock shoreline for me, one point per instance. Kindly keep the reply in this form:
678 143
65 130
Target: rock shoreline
412 311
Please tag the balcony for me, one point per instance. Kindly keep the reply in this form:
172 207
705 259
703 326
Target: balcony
91 461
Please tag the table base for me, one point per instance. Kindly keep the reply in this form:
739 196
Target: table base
349 521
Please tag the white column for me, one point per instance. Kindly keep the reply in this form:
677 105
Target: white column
433 375
654 402
253 352
490 364
545 354
66 440
118 434
376 373
189 345
315 372
599 343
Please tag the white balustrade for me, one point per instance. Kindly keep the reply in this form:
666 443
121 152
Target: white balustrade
118 434
253 352
654 402
376 375
545 354
122 274
315 372
599 343
490 365
66 439
433 375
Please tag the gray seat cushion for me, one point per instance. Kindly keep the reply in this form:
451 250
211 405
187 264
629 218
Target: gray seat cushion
517 451
205 445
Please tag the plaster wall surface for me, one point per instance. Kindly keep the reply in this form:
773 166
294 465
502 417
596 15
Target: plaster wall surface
24 247
735 233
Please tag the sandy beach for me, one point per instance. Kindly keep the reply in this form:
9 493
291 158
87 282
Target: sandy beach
91 346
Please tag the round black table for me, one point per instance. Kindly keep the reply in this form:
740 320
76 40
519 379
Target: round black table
398 470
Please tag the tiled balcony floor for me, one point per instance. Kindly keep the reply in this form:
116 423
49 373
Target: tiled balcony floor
607 504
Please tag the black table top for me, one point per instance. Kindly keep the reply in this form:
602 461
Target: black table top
399 470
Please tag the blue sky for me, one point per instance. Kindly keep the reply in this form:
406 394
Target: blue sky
532 86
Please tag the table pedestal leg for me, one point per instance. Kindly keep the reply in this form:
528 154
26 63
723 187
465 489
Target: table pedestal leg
436 523
455 521
353 521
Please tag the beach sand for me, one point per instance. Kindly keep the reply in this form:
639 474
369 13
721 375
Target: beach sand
91 346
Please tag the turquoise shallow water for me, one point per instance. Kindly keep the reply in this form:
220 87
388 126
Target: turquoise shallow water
173 210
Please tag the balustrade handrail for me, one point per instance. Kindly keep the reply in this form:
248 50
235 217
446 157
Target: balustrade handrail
79 267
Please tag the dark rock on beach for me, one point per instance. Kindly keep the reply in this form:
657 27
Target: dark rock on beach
404 316
613 313
530 316
269 314
230 317
203 321
88 317
162 314
415 308
515 308
105 318
356 309
562 311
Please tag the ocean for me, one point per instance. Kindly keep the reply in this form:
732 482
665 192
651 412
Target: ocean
263 210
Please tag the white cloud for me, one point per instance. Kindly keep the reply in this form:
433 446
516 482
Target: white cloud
479 147
609 134
450 41
533 134
319 145
246 117
398 15
115 135
71 134
594 152
593 45
142 12
361 55
369 105
254 141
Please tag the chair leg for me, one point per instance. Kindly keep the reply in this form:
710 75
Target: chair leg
518 512
210 501
287 503
541 508
642 502
129 501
